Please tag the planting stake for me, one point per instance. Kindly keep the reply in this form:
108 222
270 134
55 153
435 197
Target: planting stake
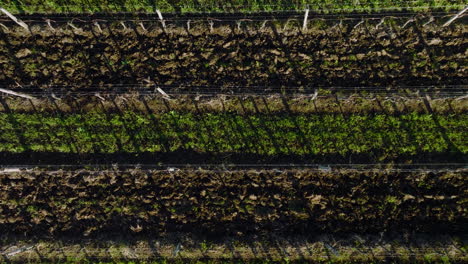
5 27
304 25
55 97
20 250
17 21
165 95
99 96
161 18
380 23
98 26
358 24
407 22
211 25
188 25
71 25
142 26
455 17
462 97
16 94
48 23
430 21
315 95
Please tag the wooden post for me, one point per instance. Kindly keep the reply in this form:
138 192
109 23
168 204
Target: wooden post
5 27
211 26
380 23
99 96
358 24
164 94
407 22
98 26
315 95
143 27
161 18
49 24
16 94
455 17
304 24
123 25
72 26
17 21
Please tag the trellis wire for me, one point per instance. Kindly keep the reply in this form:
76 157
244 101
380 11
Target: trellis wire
296 8
142 90
116 167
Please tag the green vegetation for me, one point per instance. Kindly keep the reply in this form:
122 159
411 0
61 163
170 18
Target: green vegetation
385 136
218 6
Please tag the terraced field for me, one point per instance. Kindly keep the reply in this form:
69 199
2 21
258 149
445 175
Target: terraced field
248 131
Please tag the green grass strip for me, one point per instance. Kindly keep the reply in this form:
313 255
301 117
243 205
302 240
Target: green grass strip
220 6
262 134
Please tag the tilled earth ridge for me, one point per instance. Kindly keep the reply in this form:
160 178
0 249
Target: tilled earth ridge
87 203
272 57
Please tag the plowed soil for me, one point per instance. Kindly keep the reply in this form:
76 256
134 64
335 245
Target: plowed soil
227 56
85 203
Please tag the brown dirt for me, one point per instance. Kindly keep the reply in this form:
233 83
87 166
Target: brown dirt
87 203
338 56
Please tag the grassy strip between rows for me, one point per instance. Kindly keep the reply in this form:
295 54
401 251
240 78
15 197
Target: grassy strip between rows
219 6
384 136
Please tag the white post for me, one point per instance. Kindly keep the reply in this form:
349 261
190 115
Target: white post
99 96
16 94
5 27
407 22
143 27
164 94
123 25
315 95
161 18
211 26
49 24
455 17
17 21
71 25
380 23
304 25
98 26
358 24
